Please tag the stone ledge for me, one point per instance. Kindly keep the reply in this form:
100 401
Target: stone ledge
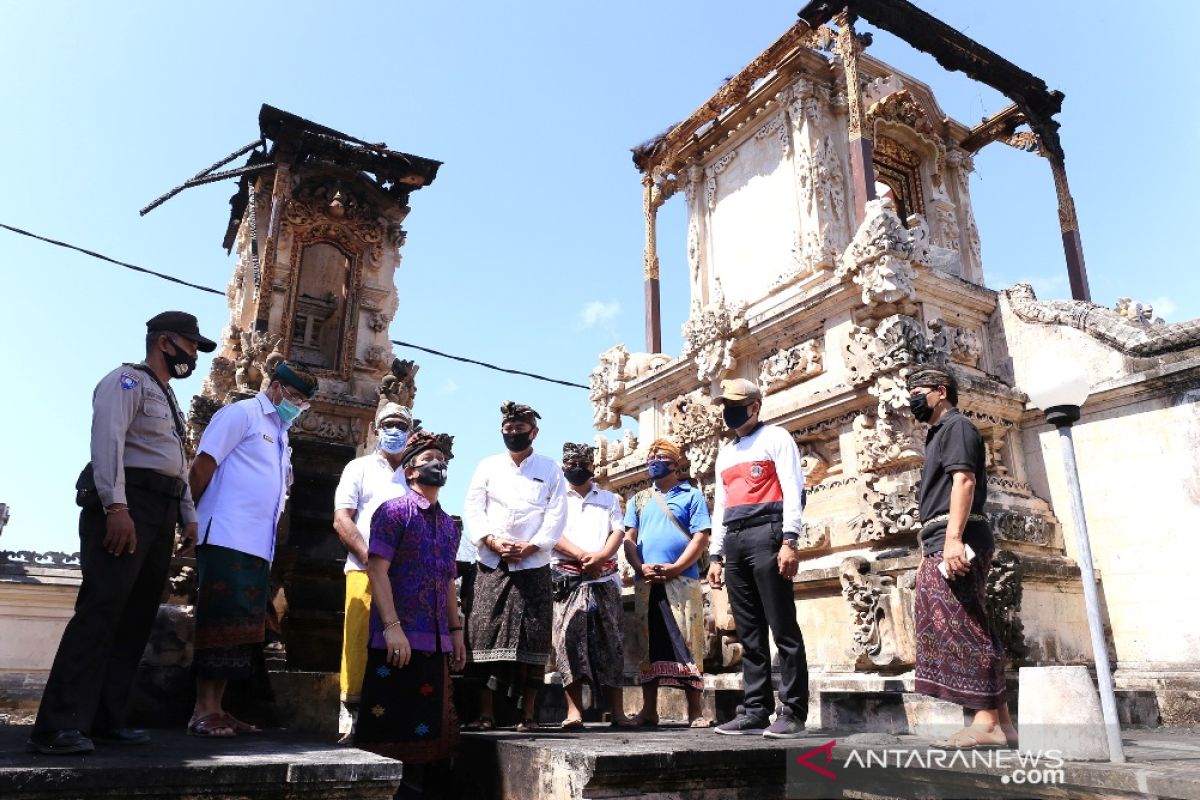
275 765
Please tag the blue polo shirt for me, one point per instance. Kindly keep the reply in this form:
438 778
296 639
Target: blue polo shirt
659 540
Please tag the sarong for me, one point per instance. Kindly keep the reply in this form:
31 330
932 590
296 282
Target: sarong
587 635
959 656
231 611
510 616
355 632
407 712
672 619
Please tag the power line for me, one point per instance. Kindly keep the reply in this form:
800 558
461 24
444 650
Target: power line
211 290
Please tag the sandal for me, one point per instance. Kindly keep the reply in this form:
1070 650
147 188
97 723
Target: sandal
641 720
701 722
623 722
238 726
571 724
966 740
209 727
481 724
528 724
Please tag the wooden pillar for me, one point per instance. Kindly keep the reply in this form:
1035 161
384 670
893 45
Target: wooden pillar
862 169
1068 223
650 267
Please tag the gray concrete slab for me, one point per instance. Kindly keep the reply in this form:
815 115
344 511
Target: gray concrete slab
274 765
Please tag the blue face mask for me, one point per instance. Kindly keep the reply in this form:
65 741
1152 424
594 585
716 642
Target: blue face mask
659 469
287 410
392 440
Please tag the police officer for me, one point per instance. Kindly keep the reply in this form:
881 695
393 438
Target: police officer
135 496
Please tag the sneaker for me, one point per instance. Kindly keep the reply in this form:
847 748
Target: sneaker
785 726
744 724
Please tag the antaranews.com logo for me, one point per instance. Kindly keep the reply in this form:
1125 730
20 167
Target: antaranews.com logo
902 772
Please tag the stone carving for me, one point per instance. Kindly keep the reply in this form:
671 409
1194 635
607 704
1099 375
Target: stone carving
29 558
891 505
221 379
255 362
376 355
399 385
961 166
818 459
1024 528
608 451
784 368
879 259
1137 312
1104 324
696 424
897 341
962 345
777 127
322 426
814 535
710 333
880 629
902 109
890 440
378 321
710 177
608 380
1004 593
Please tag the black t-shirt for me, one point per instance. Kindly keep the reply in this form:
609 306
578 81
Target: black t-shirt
952 445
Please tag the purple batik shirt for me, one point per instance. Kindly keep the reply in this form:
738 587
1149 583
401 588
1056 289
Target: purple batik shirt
419 542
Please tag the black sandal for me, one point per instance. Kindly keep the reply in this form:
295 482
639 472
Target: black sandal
484 723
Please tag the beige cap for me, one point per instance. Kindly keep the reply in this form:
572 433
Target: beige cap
738 390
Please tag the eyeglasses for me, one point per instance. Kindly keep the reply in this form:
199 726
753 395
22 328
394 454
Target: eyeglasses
294 397
393 425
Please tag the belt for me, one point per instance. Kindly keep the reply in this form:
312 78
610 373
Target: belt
155 482
753 522
946 518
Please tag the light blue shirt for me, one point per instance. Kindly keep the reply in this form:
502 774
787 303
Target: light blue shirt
240 509
659 540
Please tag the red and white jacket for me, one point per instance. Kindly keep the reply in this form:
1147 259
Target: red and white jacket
757 475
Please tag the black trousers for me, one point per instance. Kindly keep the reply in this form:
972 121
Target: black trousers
762 603
98 656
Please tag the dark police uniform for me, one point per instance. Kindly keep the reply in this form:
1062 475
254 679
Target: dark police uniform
138 459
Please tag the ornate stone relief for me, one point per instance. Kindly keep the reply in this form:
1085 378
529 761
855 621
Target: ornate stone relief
29 558
1137 312
887 441
608 380
1004 593
709 335
778 129
710 177
695 424
820 457
963 345
881 628
782 368
1024 528
897 341
399 385
891 506
258 355
609 451
880 258
1135 339
320 425
961 166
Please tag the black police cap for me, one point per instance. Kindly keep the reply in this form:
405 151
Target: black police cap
182 323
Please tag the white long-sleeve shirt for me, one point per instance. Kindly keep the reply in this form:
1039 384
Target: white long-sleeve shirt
525 501
756 475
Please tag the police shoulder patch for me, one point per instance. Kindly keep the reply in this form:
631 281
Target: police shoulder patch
129 381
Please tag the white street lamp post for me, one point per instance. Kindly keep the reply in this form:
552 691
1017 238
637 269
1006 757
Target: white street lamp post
1060 393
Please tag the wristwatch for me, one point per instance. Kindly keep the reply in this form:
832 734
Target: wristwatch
791 542
113 508
717 560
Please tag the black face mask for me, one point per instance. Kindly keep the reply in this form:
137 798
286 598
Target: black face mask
735 416
578 476
432 473
517 442
179 363
919 406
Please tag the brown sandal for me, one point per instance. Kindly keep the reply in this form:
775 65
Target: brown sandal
967 740
207 727
571 724
701 722
527 724
481 724
238 726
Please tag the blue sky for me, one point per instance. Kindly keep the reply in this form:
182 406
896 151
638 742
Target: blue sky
526 251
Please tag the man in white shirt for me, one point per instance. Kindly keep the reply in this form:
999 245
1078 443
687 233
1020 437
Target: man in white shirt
755 543
240 480
515 511
366 483
587 590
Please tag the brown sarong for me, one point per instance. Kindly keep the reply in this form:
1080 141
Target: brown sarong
231 611
959 656
587 635
510 616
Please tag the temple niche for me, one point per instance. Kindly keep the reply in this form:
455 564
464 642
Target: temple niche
831 248
317 226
